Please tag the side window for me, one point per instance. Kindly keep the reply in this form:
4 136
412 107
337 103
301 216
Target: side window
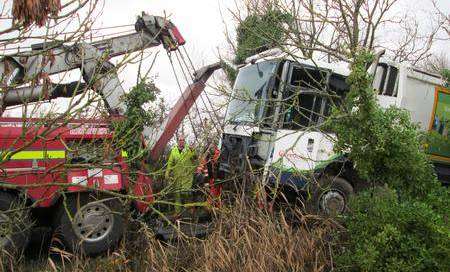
90 151
311 96
308 78
391 88
304 98
386 80
304 111
380 78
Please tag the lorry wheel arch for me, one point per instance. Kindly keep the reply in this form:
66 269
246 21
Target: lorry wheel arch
343 168
89 223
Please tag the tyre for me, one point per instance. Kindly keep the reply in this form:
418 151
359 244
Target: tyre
15 224
330 196
90 225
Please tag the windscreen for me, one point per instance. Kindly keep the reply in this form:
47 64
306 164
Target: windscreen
249 91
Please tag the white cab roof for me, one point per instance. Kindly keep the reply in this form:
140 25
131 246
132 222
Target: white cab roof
341 68
295 55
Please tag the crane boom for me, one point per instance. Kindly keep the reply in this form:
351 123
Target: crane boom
99 74
92 59
179 111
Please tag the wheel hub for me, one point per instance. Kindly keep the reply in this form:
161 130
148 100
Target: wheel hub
332 202
93 222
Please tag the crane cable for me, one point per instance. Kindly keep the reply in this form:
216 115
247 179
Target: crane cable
206 94
181 90
216 126
190 90
201 97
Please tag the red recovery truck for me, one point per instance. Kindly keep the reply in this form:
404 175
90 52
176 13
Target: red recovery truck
39 163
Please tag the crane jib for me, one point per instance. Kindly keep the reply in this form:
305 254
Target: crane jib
181 109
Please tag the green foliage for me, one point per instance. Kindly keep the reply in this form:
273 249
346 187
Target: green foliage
128 132
389 235
446 75
400 229
229 71
259 32
384 144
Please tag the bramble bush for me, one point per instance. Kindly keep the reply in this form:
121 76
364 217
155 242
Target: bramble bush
402 227
386 234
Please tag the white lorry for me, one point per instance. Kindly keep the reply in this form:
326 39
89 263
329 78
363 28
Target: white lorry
279 103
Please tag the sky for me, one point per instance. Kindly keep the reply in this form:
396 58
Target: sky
199 21
202 23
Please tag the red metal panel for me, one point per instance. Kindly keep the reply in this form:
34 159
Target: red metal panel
75 129
102 179
36 181
177 35
143 188
37 176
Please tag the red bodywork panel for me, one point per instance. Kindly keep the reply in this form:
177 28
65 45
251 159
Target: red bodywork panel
32 168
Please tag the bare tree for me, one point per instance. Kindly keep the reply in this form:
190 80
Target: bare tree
337 29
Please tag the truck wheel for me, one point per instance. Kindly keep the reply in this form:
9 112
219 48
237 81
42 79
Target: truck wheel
330 196
90 225
15 226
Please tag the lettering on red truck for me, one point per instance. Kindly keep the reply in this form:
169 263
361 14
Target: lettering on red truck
89 130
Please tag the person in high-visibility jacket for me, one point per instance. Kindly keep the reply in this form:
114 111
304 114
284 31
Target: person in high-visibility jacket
180 170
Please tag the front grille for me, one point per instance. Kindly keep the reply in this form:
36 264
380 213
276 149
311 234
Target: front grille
233 153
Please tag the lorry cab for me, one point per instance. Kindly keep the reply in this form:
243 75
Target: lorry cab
275 119
276 114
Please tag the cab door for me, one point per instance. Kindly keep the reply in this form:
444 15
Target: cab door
302 141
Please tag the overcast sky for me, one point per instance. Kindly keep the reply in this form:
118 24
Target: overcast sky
199 21
202 23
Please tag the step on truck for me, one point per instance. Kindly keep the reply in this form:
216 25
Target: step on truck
65 171
278 103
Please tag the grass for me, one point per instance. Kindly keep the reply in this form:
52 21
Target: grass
244 238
